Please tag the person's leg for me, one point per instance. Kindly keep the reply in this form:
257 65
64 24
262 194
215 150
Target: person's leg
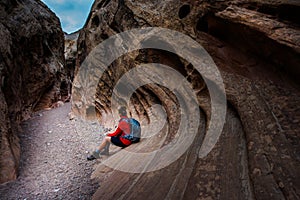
105 144
105 151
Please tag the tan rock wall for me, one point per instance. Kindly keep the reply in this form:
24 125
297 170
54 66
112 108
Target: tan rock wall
255 45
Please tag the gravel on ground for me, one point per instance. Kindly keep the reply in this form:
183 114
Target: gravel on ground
53 158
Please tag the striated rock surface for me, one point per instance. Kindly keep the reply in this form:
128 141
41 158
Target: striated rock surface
31 71
255 45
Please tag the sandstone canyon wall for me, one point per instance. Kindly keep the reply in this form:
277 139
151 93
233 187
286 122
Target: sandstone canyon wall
71 53
256 46
31 71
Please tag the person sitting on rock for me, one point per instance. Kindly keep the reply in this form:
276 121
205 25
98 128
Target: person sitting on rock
116 137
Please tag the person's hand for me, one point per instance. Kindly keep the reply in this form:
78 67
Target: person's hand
106 131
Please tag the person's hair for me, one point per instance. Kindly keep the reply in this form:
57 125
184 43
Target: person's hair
122 111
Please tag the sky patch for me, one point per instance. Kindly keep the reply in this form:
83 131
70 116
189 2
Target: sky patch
72 13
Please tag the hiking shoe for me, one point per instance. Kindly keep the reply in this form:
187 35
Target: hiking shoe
96 154
91 157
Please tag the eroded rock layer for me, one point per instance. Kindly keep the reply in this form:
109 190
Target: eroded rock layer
31 71
256 46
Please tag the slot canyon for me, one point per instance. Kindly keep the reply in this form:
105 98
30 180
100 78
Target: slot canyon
49 126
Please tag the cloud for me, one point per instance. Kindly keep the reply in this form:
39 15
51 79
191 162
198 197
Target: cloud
70 24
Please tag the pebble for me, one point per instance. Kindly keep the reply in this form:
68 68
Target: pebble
281 185
50 174
56 190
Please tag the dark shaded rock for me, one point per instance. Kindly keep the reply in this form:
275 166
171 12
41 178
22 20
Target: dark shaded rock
31 71
71 53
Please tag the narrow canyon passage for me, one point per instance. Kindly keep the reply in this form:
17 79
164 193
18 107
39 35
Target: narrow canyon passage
146 47
53 162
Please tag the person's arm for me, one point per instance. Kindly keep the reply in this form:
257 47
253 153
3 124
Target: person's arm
117 132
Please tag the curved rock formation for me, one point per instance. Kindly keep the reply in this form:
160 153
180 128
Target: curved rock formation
256 46
31 71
